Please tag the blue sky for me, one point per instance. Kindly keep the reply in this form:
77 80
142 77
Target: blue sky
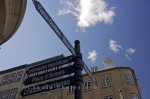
106 28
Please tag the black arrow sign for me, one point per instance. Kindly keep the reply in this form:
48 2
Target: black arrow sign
49 75
53 64
53 25
48 86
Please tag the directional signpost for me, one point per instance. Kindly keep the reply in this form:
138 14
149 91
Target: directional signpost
48 86
59 33
53 25
41 73
46 71
49 75
47 66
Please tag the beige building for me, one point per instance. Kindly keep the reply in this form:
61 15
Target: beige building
113 83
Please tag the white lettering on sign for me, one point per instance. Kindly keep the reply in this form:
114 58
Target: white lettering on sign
47 86
43 68
49 75
52 24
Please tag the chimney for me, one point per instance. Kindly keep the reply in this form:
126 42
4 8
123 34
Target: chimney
94 69
108 63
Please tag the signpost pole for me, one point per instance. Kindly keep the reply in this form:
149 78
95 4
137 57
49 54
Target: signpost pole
78 71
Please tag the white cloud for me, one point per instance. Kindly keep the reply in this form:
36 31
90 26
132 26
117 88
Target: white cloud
92 55
128 57
131 50
114 46
88 12
69 8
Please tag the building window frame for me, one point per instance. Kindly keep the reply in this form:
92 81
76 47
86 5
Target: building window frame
87 85
1 94
4 79
19 76
6 94
11 78
71 89
106 82
129 79
13 93
108 97
134 96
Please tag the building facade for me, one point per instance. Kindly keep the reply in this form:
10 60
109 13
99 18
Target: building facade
113 83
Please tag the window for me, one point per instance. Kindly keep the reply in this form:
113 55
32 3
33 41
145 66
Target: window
4 80
11 78
129 79
108 97
105 82
1 93
87 86
6 94
18 76
134 96
13 93
71 90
